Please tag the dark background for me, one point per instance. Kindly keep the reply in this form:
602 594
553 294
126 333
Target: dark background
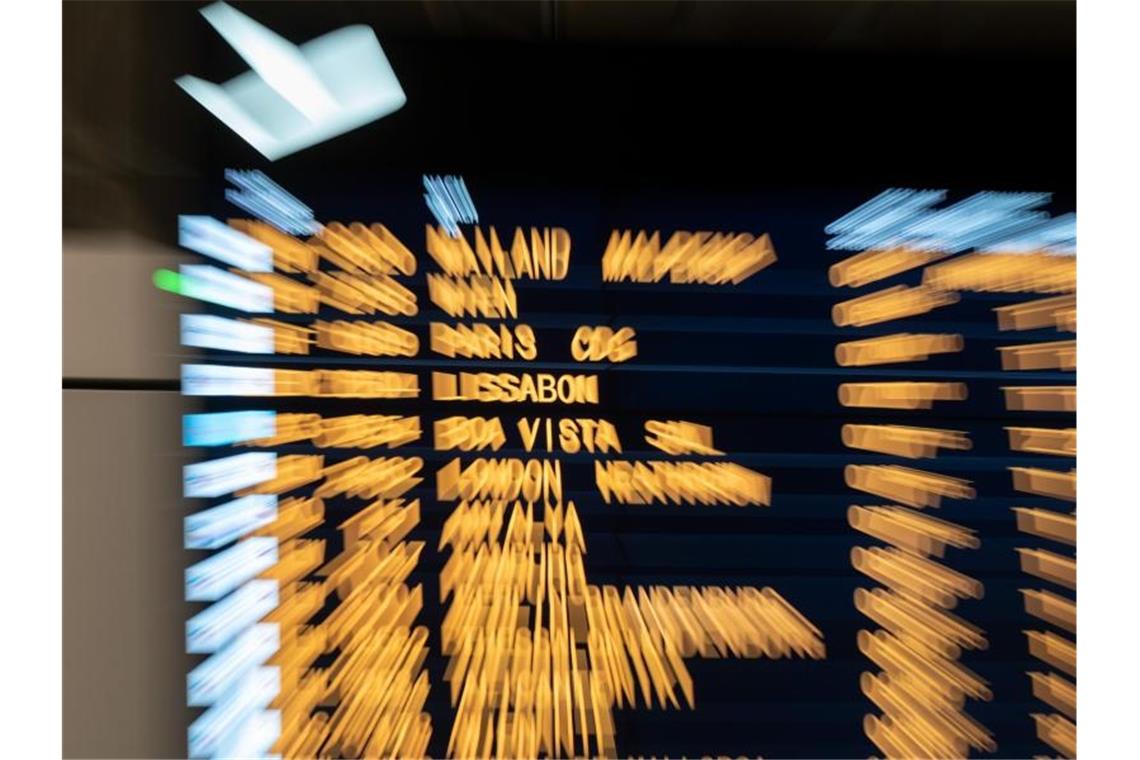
766 117
715 97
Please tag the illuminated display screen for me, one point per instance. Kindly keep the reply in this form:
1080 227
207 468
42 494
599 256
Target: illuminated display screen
516 383
596 484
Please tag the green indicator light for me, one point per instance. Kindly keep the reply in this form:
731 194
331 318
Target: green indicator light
164 279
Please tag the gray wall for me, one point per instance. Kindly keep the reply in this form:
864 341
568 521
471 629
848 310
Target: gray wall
129 167
116 324
123 615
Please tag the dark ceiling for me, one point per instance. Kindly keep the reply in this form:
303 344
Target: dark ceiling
707 93
958 25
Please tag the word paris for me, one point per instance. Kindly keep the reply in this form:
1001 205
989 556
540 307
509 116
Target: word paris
309 647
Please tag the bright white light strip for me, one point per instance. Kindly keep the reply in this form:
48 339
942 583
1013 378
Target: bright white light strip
254 738
225 428
215 527
218 575
220 380
275 59
209 237
207 283
208 331
217 675
222 476
294 97
210 734
217 625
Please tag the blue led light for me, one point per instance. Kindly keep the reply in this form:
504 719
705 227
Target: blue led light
225 428
883 208
1057 235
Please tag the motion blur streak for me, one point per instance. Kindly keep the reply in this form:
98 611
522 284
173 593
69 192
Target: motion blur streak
872 266
1059 312
360 431
1034 272
449 202
269 202
208 331
687 257
892 303
921 687
569 643
904 441
1060 354
213 285
890 349
906 218
904 395
209 237
223 428
915 488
